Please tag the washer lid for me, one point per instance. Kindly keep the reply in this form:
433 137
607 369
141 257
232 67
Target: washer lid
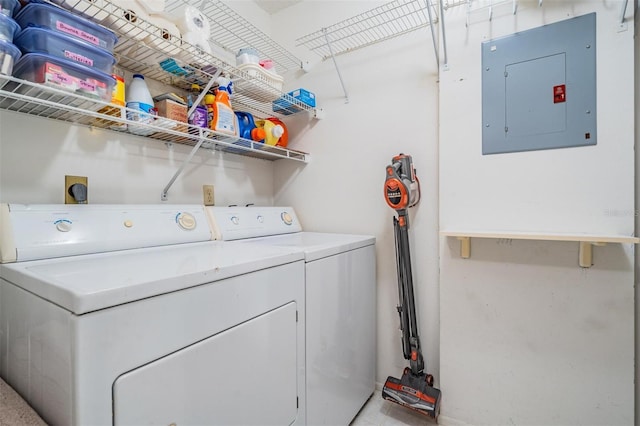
316 245
87 283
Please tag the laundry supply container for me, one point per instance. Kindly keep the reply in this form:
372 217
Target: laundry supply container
56 19
43 40
8 28
65 75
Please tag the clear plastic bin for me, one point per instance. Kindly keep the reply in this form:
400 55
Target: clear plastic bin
8 28
64 74
9 55
271 88
56 19
43 40
9 7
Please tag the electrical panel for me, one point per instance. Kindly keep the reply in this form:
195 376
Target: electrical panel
539 88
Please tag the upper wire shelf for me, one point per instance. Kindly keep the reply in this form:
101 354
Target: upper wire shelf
147 49
232 32
381 23
50 102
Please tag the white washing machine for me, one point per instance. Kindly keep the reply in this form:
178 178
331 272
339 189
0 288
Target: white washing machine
159 325
340 288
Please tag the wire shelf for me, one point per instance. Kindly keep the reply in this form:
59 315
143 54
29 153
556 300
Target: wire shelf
147 49
232 32
382 23
51 102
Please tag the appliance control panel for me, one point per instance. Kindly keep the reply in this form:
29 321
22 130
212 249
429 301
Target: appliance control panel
44 231
236 223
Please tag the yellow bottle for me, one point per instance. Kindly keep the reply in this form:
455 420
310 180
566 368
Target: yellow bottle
273 131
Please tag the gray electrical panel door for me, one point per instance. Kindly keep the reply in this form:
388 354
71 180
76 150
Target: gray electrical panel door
539 88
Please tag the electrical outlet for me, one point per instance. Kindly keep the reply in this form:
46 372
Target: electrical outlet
207 193
69 181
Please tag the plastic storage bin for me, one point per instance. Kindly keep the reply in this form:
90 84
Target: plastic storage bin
56 19
8 28
259 93
66 75
9 55
286 107
9 7
42 40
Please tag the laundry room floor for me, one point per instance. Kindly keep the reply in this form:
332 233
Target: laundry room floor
378 412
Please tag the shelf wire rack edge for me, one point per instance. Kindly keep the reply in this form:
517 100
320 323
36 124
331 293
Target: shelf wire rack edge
143 46
232 32
50 102
373 26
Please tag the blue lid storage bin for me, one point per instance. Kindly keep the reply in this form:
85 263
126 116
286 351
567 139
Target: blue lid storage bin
9 7
66 75
56 19
8 28
42 40
285 107
9 55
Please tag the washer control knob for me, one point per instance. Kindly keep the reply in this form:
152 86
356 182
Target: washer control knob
128 223
235 220
186 221
286 218
63 225
260 219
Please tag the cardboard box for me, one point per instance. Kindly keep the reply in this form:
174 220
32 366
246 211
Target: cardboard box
174 111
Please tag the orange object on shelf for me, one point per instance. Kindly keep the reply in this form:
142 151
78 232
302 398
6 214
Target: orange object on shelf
284 139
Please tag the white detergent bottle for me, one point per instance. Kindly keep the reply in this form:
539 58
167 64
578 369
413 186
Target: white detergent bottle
139 106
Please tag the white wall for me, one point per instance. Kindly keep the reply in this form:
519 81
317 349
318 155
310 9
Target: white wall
524 335
528 337
36 154
392 108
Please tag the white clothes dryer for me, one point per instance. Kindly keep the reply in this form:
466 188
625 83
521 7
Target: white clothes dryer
340 289
129 315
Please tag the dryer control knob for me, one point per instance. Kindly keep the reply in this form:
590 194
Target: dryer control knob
235 220
260 219
286 218
186 221
63 226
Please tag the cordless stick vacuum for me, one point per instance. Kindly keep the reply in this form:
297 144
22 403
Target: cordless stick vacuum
415 388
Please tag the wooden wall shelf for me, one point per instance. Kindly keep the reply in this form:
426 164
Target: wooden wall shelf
587 241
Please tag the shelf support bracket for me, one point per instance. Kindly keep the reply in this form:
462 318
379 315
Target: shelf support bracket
202 138
444 37
465 247
178 172
585 258
433 32
623 11
335 63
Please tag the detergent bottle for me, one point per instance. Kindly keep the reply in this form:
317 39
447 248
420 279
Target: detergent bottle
198 117
247 127
273 131
224 120
209 100
140 106
284 139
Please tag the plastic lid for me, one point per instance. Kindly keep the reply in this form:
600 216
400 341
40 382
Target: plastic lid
248 51
8 22
258 134
138 76
277 131
209 99
26 12
13 50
